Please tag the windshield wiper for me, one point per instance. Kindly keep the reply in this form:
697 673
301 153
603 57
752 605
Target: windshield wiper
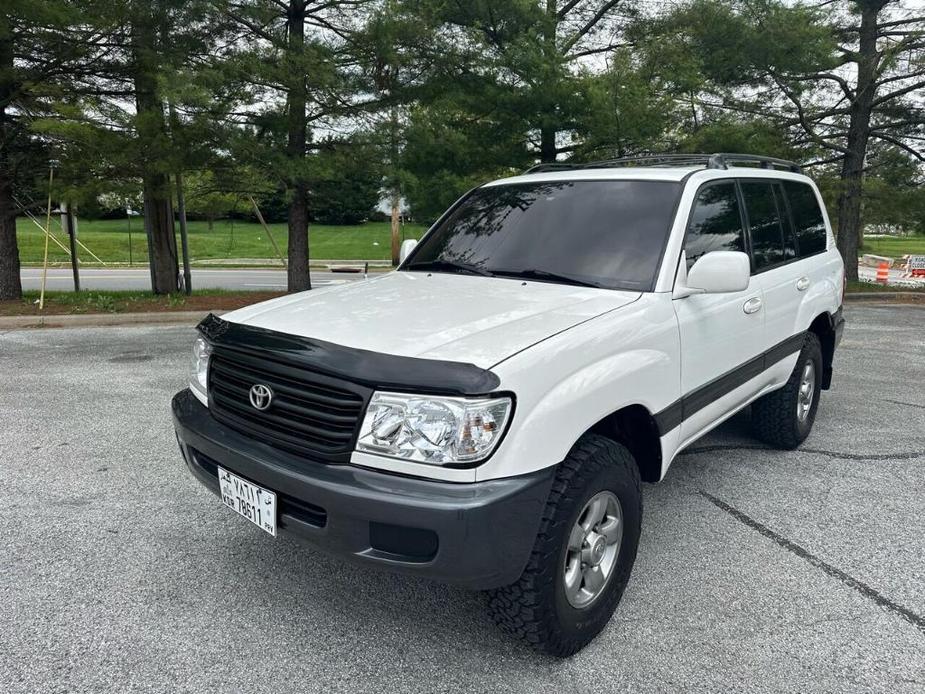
546 276
451 265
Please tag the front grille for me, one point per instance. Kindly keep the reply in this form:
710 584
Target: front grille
311 414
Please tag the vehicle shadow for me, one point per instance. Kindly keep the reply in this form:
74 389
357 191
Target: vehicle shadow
318 601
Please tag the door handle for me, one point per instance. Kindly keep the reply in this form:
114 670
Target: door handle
753 305
803 284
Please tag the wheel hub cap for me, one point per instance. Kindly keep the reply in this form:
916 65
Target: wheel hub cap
595 546
806 392
593 549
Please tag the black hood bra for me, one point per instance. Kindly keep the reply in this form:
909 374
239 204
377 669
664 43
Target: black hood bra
364 367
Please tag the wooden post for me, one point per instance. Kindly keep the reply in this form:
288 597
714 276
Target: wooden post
51 178
267 229
128 213
70 226
184 238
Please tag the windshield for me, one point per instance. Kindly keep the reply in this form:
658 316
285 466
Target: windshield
606 234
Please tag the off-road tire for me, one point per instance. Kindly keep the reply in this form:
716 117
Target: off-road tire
774 416
535 608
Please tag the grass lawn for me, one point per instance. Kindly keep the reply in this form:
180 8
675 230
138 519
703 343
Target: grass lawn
865 287
109 239
895 247
59 303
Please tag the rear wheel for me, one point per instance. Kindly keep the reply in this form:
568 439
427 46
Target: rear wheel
785 417
583 555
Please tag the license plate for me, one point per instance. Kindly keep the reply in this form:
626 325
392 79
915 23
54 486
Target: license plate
255 503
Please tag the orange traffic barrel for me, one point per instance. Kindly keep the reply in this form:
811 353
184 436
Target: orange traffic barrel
883 273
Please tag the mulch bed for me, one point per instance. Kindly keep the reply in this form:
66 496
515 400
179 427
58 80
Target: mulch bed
160 304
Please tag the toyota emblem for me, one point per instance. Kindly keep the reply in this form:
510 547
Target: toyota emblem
261 396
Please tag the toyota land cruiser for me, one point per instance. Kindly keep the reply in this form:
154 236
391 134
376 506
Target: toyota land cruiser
485 414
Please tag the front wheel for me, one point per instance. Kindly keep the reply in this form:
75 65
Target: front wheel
583 555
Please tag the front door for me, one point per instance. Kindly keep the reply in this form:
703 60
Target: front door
722 335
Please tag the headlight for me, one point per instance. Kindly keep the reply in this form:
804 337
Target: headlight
199 367
432 429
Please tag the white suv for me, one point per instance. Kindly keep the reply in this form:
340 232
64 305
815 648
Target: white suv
485 414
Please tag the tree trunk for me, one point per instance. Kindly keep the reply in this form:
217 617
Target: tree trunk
548 130
153 145
10 285
547 144
395 189
162 241
298 276
850 223
849 211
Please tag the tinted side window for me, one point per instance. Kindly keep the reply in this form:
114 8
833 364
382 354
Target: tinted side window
716 222
790 241
807 218
764 223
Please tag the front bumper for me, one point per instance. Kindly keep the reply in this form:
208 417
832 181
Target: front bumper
477 535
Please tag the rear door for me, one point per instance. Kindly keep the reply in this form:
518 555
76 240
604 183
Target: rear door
721 334
782 281
811 237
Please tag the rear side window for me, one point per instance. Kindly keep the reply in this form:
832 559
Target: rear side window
764 223
807 218
716 222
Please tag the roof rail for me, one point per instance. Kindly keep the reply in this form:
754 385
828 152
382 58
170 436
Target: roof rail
710 161
722 162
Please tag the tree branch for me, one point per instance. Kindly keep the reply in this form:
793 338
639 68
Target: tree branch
254 27
823 162
842 82
595 51
900 22
589 25
566 8
801 114
893 141
900 92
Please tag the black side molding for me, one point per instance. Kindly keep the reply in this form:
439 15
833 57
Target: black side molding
696 400
364 367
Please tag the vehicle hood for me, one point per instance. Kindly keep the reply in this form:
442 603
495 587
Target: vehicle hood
463 318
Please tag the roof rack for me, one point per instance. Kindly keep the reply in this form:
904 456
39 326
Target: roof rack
710 161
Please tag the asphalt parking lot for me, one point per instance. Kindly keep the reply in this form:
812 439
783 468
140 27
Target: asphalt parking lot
757 570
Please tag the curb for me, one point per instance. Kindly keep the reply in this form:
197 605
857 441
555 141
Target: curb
896 297
244 264
87 320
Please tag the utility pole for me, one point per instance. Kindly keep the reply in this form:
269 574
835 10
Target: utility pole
70 226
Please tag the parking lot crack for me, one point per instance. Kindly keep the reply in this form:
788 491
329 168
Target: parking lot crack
916 620
910 455
907 404
838 455
725 447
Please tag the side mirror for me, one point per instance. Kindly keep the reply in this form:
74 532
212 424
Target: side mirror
718 272
406 247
